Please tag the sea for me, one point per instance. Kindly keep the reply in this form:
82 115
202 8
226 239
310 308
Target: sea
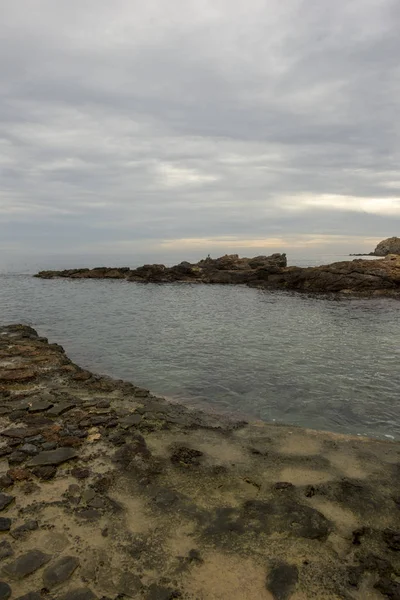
313 361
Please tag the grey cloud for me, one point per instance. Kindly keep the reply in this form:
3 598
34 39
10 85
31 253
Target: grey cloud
169 121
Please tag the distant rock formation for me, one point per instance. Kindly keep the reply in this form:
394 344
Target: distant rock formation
365 277
389 246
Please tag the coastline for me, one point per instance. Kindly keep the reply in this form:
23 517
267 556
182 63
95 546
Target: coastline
109 488
358 277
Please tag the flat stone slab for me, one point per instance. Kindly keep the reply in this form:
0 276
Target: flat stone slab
53 457
60 571
5 500
61 408
21 532
79 594
26 564
40 406
5 524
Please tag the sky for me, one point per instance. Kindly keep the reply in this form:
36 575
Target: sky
133 130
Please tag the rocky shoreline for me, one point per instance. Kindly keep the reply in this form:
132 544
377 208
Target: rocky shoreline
107 491
358 277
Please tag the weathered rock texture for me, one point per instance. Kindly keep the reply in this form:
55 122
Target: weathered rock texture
388 246
364 277
133 497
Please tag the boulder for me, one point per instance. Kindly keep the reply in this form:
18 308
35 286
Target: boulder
389 246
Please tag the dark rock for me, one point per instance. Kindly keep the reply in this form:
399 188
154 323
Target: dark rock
40 406
186 457
309 491
31 596
44 473
5 450
389 588
5 500
29 449
282 580
53 457
5 591
357 535
5 482
129 584
159 592
79 594
125 455
5 524
22 531
5 549
373 563
89 514
60 571
19 432
80 473
97 502
59 409
130 420
49 446
392 539
18 474
16 458
165 498
26 564
118 438
354 575
103 404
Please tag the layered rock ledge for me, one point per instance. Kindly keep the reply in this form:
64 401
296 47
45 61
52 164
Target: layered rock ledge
107 491
364 277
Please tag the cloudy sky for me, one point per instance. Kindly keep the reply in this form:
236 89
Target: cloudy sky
173 129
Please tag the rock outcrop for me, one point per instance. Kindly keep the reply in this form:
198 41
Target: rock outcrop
356 276
388 246
128 496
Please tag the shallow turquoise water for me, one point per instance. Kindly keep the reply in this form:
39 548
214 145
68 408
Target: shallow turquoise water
316 362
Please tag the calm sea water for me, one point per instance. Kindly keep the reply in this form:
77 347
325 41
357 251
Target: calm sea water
315 362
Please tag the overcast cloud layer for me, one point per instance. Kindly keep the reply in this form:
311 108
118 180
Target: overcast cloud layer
177 128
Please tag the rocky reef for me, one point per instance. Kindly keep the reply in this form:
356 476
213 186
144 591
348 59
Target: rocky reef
363 277
109 492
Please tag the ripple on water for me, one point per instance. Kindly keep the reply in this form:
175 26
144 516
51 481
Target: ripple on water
315 362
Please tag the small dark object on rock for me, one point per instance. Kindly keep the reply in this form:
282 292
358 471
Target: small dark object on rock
186 456
310 491
23 530
5 500
282 580
5 524
60 571
44 473
80 473
26 564
194 556
5 591
5 549
357 535
283 485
